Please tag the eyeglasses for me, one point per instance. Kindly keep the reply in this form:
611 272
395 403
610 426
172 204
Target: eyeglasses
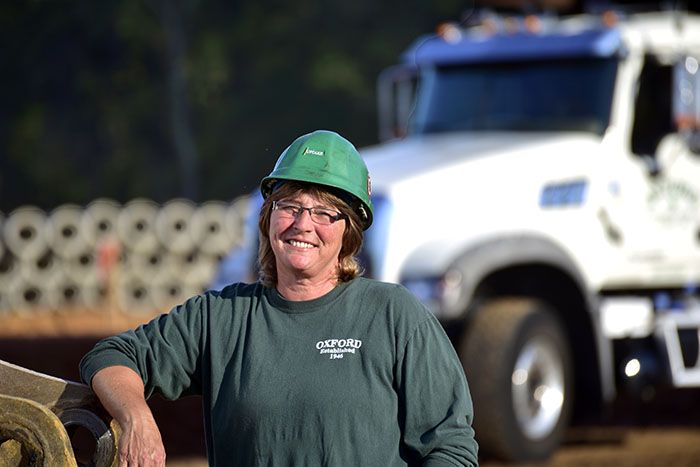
322 216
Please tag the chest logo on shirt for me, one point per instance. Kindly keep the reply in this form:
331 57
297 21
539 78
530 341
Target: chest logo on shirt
337 348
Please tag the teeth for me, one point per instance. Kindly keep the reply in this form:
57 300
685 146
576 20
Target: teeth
300 244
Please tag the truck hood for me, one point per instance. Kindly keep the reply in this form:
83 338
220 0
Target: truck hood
399 160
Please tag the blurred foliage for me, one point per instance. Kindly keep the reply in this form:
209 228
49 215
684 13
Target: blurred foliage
88 97
170 98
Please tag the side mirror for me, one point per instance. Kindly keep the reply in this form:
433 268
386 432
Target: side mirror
686 101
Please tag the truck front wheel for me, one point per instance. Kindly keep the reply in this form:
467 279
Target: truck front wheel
518 364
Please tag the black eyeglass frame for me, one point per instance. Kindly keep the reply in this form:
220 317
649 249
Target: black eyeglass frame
313 212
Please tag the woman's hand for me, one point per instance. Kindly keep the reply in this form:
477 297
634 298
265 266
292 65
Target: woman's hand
140 443
120 389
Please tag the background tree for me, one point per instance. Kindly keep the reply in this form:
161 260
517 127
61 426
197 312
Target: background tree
193 98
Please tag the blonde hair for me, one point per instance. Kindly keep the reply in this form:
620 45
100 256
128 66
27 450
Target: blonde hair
348 265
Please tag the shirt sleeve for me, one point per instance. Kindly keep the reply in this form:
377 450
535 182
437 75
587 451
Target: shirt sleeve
435 405
166 352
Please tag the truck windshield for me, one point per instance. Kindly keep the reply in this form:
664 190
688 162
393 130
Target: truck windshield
562 95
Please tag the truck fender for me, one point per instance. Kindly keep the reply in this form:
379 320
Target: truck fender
479 261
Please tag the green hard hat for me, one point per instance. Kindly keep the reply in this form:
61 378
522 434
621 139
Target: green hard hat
325 158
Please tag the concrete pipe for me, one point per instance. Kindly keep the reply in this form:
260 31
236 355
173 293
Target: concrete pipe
62 292
94 291
63 231
199 273
99 221
149 264
168 289
8 268
211 230
23 232
7 271
2 242
183 263
174 225
134 295
5 305
40 268
235 218
26 295
136 225
81 267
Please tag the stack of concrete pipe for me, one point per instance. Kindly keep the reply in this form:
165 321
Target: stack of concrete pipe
141 256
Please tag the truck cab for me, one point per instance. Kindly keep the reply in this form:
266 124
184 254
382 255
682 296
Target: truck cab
537 186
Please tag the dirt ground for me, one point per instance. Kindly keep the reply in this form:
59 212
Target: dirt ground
626 447
664 431
599 446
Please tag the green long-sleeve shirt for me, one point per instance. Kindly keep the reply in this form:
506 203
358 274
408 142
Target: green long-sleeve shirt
363 376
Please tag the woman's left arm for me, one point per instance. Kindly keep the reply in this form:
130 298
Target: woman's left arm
435 405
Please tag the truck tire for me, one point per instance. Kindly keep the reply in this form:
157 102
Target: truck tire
518 364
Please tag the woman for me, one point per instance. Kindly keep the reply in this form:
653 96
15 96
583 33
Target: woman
313 365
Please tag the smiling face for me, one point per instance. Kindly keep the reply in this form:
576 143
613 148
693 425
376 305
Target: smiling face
304 249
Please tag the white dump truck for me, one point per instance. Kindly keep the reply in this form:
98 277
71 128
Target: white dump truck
538 187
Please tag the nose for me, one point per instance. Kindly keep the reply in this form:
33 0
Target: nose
302 221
